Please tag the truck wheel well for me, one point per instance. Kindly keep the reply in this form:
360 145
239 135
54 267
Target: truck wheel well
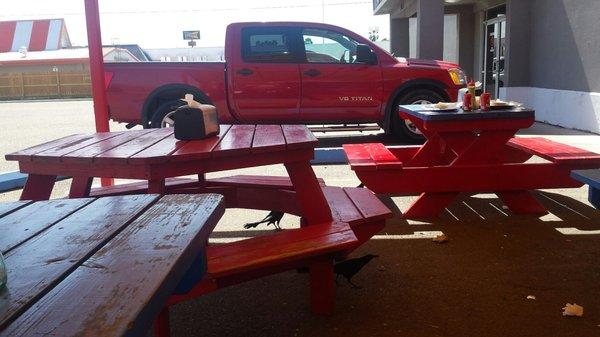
169 92
406 88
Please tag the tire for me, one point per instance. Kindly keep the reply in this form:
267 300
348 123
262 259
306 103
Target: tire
162 111
405 130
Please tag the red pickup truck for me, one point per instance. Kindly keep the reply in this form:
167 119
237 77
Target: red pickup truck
286 72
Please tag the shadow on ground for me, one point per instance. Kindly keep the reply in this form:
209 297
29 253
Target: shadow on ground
474 285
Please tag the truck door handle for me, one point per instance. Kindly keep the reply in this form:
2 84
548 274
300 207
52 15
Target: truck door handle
245 72
312 72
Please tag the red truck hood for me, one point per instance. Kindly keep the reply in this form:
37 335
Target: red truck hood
428 63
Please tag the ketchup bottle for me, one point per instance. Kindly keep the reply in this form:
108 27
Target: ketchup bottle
467 102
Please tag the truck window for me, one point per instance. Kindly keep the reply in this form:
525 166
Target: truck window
326 46
272 45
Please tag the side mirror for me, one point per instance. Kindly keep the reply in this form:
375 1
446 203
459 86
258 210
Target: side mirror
365 55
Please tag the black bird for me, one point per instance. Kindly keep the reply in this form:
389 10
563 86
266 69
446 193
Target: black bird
350 267
272 218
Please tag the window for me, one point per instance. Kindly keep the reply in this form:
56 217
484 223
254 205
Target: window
325 46
267 45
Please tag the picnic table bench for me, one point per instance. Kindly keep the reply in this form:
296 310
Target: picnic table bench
591 178
468 152
99 266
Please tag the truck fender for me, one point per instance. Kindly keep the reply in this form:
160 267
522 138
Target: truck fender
167 92
419 83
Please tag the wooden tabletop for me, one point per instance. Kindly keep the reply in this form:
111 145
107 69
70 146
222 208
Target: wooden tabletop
152 146
98 267
424 112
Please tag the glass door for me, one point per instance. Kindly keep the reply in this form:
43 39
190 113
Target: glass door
493 55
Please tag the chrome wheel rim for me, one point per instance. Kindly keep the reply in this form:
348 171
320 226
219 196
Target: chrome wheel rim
409 125
168 121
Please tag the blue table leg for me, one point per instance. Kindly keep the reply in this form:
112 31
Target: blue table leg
594 196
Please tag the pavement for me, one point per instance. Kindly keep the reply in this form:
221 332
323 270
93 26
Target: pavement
476 284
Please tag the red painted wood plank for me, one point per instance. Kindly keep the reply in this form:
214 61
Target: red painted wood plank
158 152
554 151
268 138
237 141
359 157
26 154
299 137
275 238
383 158
27 222
39 35
278 248
121 153
37 265
255 181
142 187
342 208
84 155
368 204
199 149
54 154
124 285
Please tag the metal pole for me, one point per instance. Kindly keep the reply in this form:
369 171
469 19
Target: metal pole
92 20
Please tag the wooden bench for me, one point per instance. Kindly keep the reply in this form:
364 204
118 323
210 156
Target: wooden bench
357 215
315 246
174 184
556 152
591 178
371 156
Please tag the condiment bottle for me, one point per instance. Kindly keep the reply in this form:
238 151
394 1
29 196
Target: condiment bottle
471 88
467 101
484 101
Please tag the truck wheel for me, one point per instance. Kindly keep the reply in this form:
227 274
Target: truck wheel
163 116
404 129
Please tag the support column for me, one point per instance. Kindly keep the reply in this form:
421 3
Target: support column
430 29
399 37
516 64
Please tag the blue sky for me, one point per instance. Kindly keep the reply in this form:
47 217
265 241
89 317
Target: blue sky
154 24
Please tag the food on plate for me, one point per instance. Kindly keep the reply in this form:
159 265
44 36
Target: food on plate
444 105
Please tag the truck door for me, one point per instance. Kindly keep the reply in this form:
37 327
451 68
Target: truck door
334 88
265 76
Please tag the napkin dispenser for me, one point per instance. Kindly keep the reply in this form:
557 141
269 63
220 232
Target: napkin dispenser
195 121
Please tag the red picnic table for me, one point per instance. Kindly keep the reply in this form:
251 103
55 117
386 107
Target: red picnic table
334 221
155 155
468 152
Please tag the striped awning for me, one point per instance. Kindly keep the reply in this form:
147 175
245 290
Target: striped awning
35 35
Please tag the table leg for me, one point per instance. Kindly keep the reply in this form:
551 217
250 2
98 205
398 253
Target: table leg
322 287
80 187
156 186
522 202
429 205
38 187
315 208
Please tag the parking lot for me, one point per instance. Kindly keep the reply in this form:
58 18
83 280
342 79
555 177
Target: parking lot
474 285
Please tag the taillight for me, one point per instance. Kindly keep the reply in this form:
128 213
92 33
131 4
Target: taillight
108 76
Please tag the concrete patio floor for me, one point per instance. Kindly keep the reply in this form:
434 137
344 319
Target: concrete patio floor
474 285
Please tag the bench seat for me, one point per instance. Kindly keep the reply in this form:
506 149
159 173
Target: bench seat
591 178
279 248
555 152
371 156
172 184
